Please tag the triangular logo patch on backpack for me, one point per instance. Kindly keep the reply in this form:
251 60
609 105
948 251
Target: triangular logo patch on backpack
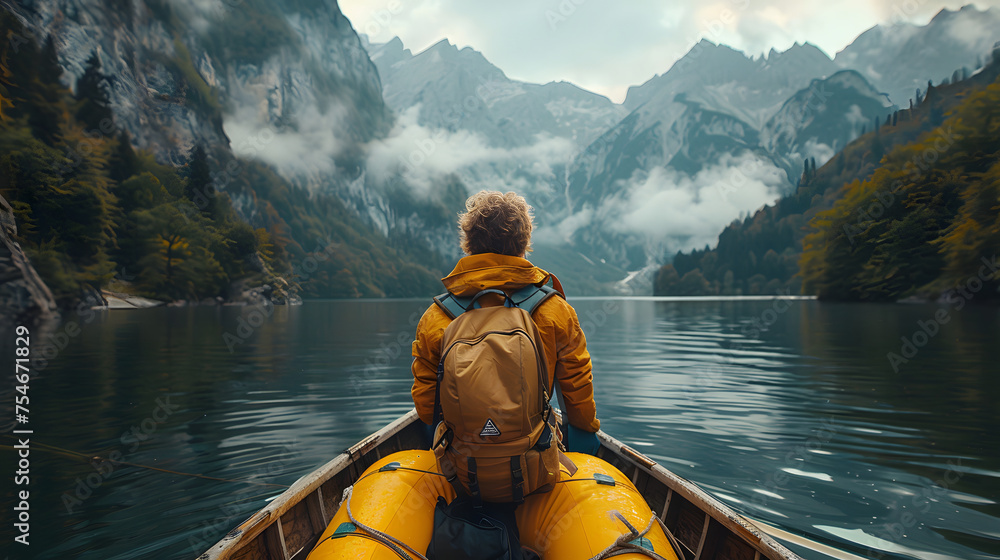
489 429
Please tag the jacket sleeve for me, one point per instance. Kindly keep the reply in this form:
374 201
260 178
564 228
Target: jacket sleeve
426 354
574 373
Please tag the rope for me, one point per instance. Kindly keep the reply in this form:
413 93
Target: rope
84 456
674 543
388 540
625 545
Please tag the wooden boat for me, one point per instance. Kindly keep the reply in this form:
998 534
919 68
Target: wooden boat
706 529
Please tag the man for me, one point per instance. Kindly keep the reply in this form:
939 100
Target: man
495 235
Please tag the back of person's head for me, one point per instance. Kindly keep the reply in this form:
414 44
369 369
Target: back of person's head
496 223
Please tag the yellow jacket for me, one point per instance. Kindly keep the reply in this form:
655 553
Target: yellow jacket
565 345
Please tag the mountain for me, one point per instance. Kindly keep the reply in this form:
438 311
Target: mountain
718 113
821 119
928 231
760 254
464 125
715 108
247 121
905 208
712 101
902 57
463 121
718 134
286 83
311 133
735 81
176 66
459 89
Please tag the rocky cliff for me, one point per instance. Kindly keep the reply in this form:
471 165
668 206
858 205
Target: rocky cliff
22 291
269 76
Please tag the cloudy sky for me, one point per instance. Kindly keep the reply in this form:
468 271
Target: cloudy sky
608 45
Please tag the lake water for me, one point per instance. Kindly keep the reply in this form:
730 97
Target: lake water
788 411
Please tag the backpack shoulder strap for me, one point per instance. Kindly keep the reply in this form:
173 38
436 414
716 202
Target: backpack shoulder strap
530 297
452 305
527 298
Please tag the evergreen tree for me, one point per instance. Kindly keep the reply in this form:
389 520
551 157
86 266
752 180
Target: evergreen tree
45 118
878 149
26 84
124 163
49 70
94 110
199 177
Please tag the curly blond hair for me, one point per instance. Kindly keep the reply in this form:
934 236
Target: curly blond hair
496 223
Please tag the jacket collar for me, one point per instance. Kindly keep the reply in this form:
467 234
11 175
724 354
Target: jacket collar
475 273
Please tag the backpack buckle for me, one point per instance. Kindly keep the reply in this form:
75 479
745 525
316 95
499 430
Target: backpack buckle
545 439
517 479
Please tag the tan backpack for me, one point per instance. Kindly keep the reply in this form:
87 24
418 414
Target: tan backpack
496 432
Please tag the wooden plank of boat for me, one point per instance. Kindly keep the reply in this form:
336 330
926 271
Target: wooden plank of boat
289 526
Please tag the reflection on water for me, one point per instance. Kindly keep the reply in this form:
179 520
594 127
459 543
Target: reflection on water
788 411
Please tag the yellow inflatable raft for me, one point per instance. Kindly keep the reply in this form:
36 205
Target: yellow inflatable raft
584 515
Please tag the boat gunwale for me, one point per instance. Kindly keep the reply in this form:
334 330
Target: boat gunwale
307 484
255 526
720 512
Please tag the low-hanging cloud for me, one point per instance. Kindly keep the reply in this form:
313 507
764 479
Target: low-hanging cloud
306 146
820 151
421 156
667 210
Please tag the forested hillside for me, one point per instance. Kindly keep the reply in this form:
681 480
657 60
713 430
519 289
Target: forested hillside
927 220
93 213
761 254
